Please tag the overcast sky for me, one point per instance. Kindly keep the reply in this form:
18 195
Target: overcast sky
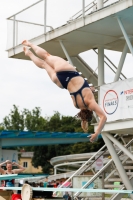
25 85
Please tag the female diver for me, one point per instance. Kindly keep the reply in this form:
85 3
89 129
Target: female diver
65 76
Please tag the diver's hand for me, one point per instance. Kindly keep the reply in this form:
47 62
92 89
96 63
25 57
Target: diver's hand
93 137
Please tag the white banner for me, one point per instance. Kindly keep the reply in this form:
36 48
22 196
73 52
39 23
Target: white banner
116 99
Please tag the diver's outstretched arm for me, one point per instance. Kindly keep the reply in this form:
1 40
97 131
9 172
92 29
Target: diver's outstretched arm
102 119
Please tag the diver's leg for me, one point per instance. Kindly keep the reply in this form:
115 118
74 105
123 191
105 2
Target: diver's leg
37 61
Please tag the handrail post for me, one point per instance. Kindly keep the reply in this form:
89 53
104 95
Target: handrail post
83 8
45 15
99 4
14 33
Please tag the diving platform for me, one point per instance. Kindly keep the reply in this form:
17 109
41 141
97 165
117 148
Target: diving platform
98 28
120 127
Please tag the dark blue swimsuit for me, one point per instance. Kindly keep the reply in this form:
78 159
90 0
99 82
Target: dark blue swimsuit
64 78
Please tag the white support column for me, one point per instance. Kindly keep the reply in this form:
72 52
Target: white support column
118 164
125 35
100 65
65 52
99 4
100 68
122 59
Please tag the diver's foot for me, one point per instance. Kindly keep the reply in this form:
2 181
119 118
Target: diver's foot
26 51
26 43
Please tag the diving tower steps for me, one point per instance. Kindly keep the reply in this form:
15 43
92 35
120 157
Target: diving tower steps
109 182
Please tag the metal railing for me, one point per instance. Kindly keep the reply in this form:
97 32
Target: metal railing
15 22
91 7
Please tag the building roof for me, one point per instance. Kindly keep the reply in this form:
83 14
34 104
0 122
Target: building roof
27 154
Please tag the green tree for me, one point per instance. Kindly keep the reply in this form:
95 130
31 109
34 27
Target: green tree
14 121
33 120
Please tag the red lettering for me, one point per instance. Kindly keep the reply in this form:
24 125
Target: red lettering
128 91
125 92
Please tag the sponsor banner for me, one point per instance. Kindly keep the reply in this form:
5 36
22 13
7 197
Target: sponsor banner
116 99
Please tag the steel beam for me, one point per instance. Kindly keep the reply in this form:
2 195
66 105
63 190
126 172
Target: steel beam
125 35
65 52
122 59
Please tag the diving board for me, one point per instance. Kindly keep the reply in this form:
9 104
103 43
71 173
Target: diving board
72 190
18 176
8 176
36 138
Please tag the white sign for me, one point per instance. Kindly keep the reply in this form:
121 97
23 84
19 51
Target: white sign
116 99
99 163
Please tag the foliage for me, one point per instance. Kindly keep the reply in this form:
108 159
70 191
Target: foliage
15 120
33 121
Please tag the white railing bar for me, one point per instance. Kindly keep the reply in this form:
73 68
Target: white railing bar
31 23
85 8
25 9
93 2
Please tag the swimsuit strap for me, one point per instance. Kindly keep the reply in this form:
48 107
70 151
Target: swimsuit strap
85 84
